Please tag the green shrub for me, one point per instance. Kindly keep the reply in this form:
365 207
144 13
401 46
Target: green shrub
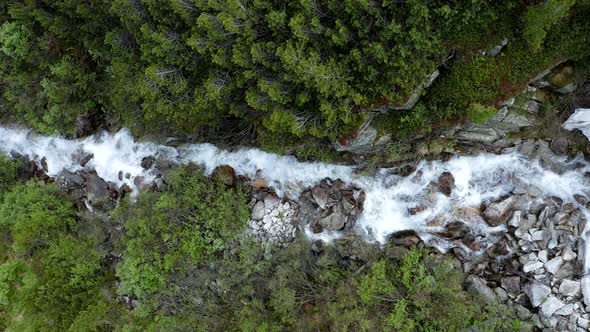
541 17
35 214
479 114
167 233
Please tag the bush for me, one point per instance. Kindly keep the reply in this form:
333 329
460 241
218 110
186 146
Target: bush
541 17
35 214
167 233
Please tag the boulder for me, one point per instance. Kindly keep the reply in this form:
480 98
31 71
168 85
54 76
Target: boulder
455 230
536 292
554 265
320 195
446 182
404 238
258 211
570 288
498 48
225 174
259 183
479 288
497 213
511 285
477 134
271 201
532 106
97 190
333 222
148 162
69 181
551 305
559 145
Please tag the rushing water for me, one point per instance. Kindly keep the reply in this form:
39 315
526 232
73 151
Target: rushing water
478 179
389 197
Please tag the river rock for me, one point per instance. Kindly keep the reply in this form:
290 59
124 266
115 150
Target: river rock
570 288
97 190
320 195
69 181
497 213
551 305
511 285
333 222
148 162
259 183
225 174
553 265
404 238
559 145
331 205
536 292
479 288
446 182
258 211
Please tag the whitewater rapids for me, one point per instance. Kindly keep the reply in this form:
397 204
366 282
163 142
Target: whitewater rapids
479 179
389 197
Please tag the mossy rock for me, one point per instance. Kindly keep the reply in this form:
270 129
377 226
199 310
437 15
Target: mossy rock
561 76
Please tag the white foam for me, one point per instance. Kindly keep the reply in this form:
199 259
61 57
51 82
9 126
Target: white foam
579 120
485 177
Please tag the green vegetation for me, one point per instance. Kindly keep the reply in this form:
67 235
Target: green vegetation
471 80
48 275
278 72
192 222
186 264
541 17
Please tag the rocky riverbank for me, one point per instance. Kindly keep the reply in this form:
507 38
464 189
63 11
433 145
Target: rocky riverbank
514 223
523 249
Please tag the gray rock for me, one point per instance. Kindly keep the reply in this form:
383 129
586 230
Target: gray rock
532 266
537 292
68 181
532 106
97 190
496 50
478 287
516 219
553 265
585 285
559 145
515 121
551 305
501 293
511 285
570 288
147 162
497 213
271 201
568 254
320 195
584 323
477 134
566 310
543 256
333 222
567 89
522 312
258 211
361 143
